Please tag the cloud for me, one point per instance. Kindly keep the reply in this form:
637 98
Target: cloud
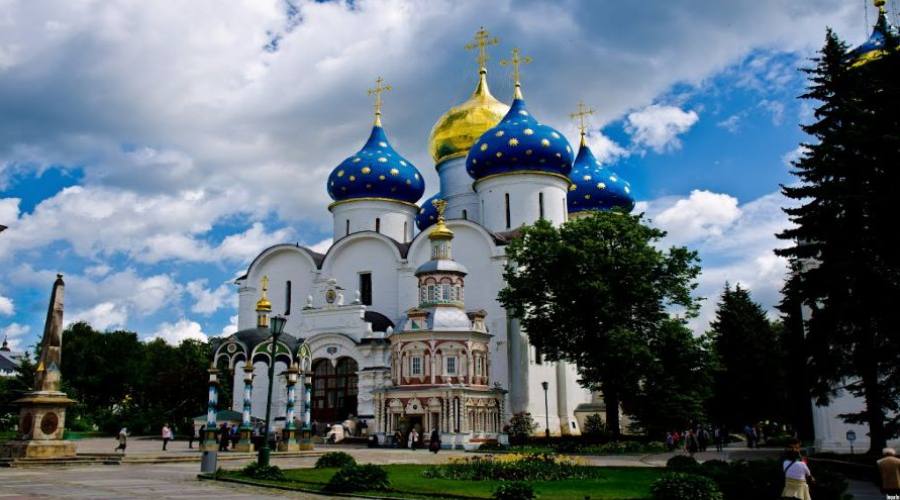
732 123
175 333
14 334
702 215
207 301
793 155
658 127
322 246
735 243
6 306
231 327
103 316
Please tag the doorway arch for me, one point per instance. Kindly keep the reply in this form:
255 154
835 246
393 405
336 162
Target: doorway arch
335 389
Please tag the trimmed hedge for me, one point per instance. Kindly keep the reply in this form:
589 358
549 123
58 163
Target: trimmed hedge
266 472
515 490
335 459
366 477
681 486
683 463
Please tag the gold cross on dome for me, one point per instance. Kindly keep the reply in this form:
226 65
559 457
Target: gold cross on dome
440 205
580 115
264 282
377 91
482 41
516 61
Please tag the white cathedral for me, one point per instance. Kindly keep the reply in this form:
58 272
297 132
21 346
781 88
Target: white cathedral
398 331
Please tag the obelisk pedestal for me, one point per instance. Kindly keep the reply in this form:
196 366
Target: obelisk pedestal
42 413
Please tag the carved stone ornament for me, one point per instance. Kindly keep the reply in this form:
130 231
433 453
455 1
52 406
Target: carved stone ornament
49 423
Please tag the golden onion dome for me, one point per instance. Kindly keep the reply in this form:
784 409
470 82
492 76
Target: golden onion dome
458 129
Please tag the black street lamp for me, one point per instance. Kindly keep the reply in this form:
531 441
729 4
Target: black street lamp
545 385
276 326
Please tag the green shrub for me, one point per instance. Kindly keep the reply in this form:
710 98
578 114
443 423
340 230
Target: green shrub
366 477
492 446
515 490
680 486
682 463
521 425
595 426
267 472
335 460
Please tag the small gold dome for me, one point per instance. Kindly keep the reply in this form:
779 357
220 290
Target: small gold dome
458 129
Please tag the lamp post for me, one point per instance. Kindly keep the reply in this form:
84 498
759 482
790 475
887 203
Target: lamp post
276 326
545 385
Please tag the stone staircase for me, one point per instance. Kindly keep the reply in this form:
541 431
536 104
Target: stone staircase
141 458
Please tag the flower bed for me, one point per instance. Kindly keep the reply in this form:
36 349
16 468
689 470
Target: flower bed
513 467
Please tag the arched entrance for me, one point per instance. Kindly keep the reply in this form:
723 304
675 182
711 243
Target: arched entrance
335 388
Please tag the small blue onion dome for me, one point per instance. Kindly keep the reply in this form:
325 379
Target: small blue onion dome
427 213
876 45
595 187
376 171
519 143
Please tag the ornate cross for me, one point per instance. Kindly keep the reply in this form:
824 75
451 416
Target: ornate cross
264 282
580 115
377 91
482 41
440 206
516 61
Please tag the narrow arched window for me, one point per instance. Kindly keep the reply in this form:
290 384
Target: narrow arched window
508 221
287 298
465 214
377 225
405 231
347 228
541 205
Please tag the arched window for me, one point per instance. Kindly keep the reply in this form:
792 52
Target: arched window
541 205
508 221
465 214
347 227
377 225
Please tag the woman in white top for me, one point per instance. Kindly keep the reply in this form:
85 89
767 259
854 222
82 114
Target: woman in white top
796 477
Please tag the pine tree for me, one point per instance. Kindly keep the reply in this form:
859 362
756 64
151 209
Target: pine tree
748 382
844 236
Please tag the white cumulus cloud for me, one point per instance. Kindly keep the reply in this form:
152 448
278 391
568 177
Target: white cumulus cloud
14 334
174 333
658 126
103 316
6 306
208 301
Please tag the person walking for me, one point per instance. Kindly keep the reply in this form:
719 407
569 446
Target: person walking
670 441
720 434
889 467
434 444
413 438
703 438
166 436
192 435
122 439
796 477
223 437
690 443
202 439
235 436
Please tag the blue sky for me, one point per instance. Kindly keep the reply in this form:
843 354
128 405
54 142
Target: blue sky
149 151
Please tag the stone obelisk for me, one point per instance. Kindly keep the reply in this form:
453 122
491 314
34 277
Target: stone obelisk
42 412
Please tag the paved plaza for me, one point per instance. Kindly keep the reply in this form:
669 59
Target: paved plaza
179 480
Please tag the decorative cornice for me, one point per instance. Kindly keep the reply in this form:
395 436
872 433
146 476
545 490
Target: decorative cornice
350 200
523 172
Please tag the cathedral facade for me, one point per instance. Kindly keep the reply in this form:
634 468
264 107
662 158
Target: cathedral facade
398 330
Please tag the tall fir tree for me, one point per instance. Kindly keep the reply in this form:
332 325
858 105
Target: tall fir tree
845 253
748 381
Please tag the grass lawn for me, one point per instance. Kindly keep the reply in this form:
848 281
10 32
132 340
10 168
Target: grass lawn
407 482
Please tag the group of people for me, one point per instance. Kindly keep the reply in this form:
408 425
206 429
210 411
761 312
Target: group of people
697 439
414 441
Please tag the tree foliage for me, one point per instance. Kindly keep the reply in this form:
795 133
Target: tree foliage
675 384
847 268
593 292
748 377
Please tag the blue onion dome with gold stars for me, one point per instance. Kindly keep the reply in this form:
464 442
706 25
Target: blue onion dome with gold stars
376 171
877 44
519 143
427 214
595 187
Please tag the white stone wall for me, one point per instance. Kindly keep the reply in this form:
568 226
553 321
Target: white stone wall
398 220
831 431
367 252
280 264
524 206
456 189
